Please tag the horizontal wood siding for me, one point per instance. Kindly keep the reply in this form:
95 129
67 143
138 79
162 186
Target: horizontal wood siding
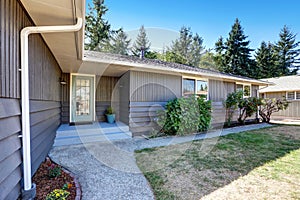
218 90
145 86
10 145
45 95
142 117
44 121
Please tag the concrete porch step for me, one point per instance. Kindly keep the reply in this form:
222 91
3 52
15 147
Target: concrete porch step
96 132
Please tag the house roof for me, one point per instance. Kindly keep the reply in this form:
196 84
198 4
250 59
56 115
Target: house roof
284 83
158 65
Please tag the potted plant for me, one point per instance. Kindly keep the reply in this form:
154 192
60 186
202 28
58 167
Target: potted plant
110 115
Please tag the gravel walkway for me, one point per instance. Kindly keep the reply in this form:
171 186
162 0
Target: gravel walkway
109 171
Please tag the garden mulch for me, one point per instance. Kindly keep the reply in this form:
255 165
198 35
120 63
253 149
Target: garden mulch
45 184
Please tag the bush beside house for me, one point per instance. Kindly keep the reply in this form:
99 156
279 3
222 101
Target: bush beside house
185 115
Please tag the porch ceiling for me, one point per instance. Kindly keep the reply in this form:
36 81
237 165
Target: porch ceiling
67 48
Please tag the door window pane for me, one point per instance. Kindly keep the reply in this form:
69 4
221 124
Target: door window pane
82 89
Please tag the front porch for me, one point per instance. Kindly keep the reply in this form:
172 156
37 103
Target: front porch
95 132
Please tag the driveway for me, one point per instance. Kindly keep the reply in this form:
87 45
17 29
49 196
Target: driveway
108 170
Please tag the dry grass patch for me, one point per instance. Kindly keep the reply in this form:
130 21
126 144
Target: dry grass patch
184 171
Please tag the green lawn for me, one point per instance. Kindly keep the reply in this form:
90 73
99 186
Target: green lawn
261 164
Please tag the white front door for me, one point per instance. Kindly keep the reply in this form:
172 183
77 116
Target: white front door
82 98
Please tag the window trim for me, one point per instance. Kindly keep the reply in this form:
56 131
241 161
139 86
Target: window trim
295 95
195 88
244 84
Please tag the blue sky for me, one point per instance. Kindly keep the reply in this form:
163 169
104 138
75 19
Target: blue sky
261 19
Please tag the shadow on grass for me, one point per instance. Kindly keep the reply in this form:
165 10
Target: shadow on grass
192 175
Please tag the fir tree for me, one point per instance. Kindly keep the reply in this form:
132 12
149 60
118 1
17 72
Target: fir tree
266 61
118 43
287 51
96 28
187 47
234 55
141 43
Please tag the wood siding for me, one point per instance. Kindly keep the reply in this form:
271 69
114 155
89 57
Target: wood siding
45 95
218 90
124 95
153 87
293 110
44 121
254 90
10 145
142 117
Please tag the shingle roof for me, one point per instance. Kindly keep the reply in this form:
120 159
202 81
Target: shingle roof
162 65
284 83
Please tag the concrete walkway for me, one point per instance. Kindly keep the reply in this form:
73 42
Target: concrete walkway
108 170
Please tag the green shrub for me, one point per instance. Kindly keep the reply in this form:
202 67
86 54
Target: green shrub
269 106
231 104
248 107
185 115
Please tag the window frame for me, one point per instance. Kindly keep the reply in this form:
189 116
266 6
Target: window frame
196 79
294 95
245 84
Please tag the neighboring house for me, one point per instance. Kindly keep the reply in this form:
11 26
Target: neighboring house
285 87
69 86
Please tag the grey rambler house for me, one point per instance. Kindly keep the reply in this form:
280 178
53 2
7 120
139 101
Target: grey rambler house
47 79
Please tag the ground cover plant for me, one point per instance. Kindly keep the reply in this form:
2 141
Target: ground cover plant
260 164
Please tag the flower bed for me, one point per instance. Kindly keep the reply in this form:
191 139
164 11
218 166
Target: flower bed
50 177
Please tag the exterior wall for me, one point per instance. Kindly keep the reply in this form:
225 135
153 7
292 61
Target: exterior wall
124 85
44 97
293 110
148 93
218 90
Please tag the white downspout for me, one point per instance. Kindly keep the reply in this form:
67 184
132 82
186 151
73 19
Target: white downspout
25 90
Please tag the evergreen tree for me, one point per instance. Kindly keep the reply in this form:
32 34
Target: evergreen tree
219 57
287 51
96 28
117 43
266 61
208 61
141 43
187 47
236 53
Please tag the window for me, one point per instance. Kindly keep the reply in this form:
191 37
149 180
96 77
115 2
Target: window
298 95
294 95
247 91
290 95
245 88
195 86
188 86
